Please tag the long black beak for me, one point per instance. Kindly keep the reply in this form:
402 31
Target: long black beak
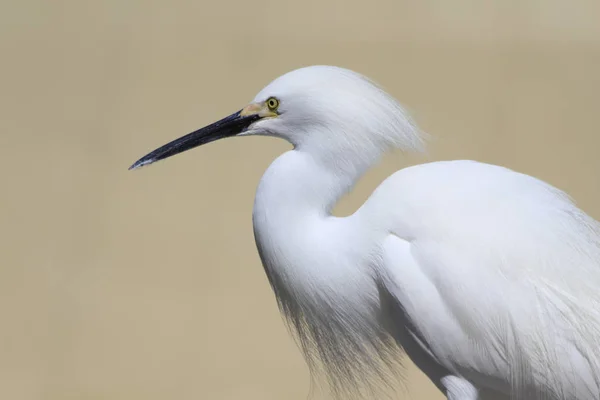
229 126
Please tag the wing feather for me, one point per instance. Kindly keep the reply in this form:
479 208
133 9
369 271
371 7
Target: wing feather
513 267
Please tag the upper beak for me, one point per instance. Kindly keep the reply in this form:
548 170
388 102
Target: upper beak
229 126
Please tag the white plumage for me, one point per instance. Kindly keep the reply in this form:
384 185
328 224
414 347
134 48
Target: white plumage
487 278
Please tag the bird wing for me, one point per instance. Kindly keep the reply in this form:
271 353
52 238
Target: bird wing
498 282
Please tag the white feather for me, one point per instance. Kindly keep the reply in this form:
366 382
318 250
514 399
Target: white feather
489 279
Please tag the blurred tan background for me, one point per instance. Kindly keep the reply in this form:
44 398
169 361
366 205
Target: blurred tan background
147 285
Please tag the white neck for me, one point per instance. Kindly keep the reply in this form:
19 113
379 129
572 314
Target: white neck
292 220
297 183
318 265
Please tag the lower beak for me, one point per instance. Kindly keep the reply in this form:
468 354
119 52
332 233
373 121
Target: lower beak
229 126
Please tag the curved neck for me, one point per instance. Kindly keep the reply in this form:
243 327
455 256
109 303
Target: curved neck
308 256
299 183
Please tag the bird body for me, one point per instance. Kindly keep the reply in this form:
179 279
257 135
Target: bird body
486 277
459 245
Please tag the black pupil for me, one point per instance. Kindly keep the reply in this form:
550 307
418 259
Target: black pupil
272 103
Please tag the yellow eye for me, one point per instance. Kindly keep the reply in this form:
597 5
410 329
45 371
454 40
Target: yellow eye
272 103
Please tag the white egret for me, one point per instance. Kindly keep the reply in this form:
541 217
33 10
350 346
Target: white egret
487 278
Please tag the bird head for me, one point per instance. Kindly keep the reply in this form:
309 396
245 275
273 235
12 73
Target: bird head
330 112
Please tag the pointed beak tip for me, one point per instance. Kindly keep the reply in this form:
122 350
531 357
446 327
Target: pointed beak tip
139 164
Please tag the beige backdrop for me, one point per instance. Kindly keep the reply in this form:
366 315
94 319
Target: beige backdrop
147 285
